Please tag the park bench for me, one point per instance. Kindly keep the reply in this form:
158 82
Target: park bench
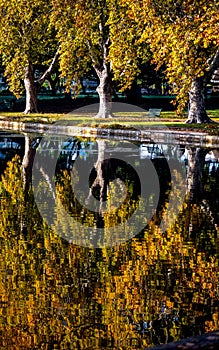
154 112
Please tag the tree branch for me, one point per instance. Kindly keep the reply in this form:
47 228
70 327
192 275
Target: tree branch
105 52
213 63
49 71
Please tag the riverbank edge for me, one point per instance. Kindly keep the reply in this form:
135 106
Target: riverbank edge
161 134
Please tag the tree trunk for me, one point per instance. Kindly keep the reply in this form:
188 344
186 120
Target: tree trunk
134 95
32 86
52 83
31 90
104 89
197 112
105 95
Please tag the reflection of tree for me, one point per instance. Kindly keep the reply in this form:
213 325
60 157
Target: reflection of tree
58 295
196 195
102 175
196 161
113 195
31 144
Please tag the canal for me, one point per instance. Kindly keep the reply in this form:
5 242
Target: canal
105 243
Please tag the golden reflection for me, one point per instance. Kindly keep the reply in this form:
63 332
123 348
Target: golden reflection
155 288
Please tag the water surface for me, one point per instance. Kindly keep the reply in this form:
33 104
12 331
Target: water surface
157 286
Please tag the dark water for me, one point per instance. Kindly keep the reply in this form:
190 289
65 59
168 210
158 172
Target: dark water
106 245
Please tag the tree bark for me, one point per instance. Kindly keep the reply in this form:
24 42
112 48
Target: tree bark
105 96
104 89
32 86
52 84
31 90
197 112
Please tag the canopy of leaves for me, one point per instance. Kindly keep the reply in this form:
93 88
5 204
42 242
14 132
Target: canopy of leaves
82 31
85 27
183 35
127 50
25 36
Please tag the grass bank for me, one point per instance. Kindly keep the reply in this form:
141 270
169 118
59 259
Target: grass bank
120 120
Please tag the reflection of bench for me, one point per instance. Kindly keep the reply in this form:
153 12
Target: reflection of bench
154 112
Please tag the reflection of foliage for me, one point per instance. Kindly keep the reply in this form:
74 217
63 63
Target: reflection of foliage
11 184
117 210
58 295
112 212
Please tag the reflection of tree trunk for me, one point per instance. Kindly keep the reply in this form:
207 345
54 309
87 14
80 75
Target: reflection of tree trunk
27 166
27 162
101 182
198 208
48 182
196 160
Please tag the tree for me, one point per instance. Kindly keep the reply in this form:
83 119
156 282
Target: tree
86 32
128 53
188 42
26 40
183 35
84 36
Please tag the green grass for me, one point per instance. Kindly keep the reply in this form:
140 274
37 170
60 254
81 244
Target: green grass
120 120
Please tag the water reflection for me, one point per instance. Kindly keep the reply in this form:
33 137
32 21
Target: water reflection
154 288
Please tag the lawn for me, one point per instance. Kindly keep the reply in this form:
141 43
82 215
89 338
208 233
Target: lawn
120 120
53 106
